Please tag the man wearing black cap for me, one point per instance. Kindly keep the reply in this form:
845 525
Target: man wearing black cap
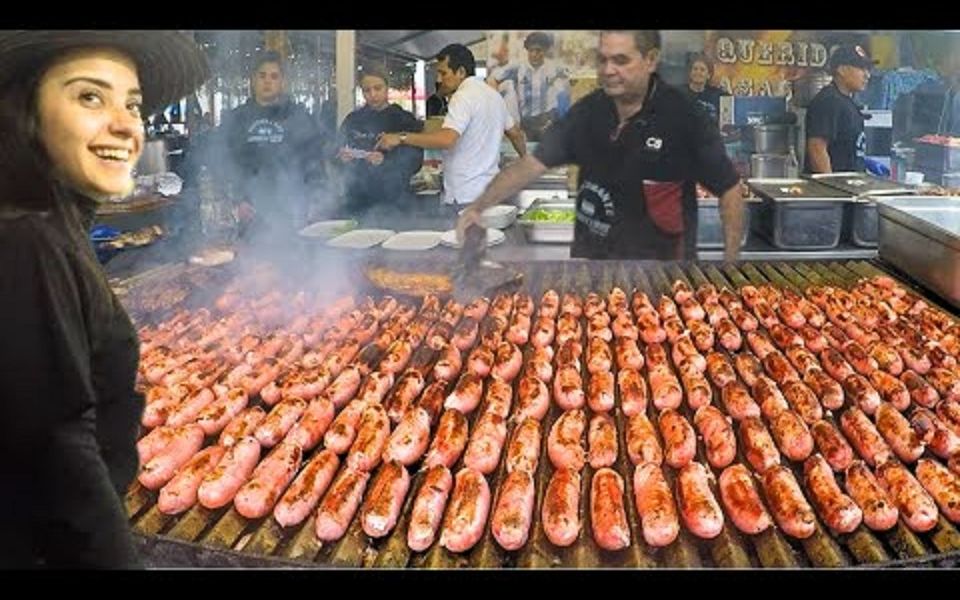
834 123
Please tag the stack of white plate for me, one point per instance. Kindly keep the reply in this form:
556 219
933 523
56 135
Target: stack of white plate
413 240
361 238
499 216
494 237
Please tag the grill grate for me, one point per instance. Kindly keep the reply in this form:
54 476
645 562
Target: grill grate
223 538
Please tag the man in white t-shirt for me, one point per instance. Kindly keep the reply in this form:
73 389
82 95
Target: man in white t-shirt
472 129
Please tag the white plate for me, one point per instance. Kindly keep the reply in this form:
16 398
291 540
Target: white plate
494 237
328 228
361 238
413 240
212 258
498 216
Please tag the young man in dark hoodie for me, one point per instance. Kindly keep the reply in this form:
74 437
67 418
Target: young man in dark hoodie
373 177
274 151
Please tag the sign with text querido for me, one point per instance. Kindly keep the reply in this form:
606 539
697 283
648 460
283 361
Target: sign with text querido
762 63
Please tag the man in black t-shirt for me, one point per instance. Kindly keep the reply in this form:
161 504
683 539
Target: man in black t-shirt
641 146
834 124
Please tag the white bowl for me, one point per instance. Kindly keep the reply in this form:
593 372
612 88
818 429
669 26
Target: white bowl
499 216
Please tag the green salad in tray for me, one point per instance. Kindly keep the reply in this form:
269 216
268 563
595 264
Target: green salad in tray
550 215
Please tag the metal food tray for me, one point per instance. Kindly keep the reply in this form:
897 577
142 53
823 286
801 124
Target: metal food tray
790 190
548 233
861 184
710 226
920 235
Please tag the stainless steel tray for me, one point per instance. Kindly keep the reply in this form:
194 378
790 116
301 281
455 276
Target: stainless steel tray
548 233
710 226
861 184
796 190
920 235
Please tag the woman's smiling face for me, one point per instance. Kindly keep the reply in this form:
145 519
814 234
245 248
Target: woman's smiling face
88 109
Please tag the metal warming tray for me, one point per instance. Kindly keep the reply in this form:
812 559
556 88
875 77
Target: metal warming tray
546 232
710 227
861 184
799 214
861 221
920 235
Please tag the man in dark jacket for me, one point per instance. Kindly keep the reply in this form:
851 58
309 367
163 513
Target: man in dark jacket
273 150
373 177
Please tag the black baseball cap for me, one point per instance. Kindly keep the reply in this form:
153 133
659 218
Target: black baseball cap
853 55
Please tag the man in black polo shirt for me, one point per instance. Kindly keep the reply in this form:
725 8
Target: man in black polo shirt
834 124
642 146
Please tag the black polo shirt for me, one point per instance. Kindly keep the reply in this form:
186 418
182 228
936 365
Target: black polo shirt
637 189
835 117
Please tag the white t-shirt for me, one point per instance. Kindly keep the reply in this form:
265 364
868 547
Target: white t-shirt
479 114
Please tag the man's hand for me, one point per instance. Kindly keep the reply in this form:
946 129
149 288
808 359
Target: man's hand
345 155
388 141
470 216
375 158
731 255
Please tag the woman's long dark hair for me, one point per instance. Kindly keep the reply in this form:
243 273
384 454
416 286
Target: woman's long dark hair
26 179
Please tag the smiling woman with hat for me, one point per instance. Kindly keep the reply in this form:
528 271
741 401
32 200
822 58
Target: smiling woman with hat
834 123
71 109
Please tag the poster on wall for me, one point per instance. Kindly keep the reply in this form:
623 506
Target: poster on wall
763 63
540 73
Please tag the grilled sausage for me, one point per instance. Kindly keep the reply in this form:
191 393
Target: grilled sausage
791 434
185 441
561 507
655 505
738 402
450 440
523 449
748 367
879 512
633 392
600 393
832 445
259 495
718 436
565 441
942 485
372 432
838 510
607 510
642 443
859 390
698 507
918 509
486 443
826 388
679 438
933 433
896 430
602 441
340 504
380 510
467 394
220 485
740 497
304 493
789 508
863 436
921 392
513 513
568 388
428 507
802 400
467 514
180 493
